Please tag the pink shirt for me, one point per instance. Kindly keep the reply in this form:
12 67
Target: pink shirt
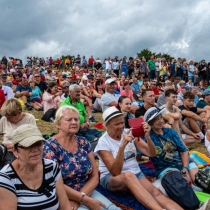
48 101
123 93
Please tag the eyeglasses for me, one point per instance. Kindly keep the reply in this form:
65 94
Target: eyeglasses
37 144
65 87
112 84
36 76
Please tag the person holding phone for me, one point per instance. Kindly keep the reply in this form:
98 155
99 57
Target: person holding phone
52 97
119 169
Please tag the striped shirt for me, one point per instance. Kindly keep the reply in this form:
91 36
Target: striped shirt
43 198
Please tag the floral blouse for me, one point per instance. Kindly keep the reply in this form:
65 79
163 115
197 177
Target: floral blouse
75 167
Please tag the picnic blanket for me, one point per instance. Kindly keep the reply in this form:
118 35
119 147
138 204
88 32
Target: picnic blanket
128 199
200 159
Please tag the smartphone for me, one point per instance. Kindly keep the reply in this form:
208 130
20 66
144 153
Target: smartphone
137 127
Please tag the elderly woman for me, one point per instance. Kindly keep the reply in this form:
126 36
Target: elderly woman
172 154
75 158
119 169
31 182
12 118
51 97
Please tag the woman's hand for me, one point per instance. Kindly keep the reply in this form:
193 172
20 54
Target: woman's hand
94 204
127 138
146 128
74 205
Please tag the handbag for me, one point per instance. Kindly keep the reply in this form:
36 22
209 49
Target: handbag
177 188
202 179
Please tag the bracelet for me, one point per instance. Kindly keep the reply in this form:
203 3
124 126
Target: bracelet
82 198
185 167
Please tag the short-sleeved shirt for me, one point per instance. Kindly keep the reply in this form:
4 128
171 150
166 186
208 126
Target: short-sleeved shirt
136 87
35 93
108 144
75 167
20 88
140 111
151 65
192 109
201 104
44 197
168 147
79 106
42 86
107 98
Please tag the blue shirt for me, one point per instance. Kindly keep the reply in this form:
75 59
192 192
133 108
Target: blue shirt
35 93
168 147
136 87
75 167
20 88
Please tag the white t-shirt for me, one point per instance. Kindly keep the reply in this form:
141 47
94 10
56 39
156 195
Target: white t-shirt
108 144
8 92
7 128
157 66
108 65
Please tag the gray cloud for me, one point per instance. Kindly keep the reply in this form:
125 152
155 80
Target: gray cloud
104 28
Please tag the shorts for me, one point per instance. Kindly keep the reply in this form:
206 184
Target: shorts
105 180
186 123
190 167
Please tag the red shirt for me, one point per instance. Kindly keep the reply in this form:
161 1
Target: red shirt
91 60
2 98
156 91
15 82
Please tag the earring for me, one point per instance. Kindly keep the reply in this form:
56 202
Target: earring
17 157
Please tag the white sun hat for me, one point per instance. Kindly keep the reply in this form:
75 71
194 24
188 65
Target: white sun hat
152 112
110 113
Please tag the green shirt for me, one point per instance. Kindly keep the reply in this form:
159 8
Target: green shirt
201 104
79 106
151 65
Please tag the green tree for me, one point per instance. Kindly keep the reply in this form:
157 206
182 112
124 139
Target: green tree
146 54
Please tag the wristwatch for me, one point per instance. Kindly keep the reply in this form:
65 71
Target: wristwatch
170 123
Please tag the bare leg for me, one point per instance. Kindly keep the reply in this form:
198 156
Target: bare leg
193 125
191 140
192 173
24 98
89 111
129 181
163 201
143 190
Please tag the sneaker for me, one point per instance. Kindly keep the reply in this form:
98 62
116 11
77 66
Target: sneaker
94 111
206 205
28 107
92 119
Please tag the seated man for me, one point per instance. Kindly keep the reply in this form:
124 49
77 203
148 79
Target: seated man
205 102
135 86
24 92
74 100
193 117
180 98
109 98
173 111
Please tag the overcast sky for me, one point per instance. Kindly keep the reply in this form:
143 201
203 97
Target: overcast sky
105 28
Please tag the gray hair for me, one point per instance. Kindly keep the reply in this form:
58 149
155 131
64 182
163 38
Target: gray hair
61 111
73 87
64 82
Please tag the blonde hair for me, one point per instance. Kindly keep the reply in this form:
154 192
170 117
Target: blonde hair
61 111
182 82
11 107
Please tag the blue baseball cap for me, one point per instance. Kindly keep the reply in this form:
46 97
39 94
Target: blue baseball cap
206 92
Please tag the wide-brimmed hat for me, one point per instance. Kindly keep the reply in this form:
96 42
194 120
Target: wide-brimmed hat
26 135
110 113
152 112
110 80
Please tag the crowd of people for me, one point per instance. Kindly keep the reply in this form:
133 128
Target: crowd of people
171 97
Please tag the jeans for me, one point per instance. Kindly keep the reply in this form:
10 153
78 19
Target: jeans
152 74
103 199
89 134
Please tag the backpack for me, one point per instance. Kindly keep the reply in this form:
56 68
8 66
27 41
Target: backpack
202 179
177 188
3 151
50 113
